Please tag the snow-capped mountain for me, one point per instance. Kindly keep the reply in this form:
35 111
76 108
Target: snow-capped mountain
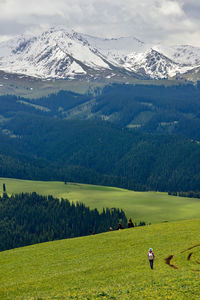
59 53
55 54
182 54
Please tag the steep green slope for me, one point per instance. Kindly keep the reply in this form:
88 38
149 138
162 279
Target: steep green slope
107 266
151 207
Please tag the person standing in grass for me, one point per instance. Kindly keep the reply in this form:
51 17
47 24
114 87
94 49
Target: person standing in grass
151 257
130 223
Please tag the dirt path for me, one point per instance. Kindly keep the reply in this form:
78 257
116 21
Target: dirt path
189 256
169 258
198 245
168 262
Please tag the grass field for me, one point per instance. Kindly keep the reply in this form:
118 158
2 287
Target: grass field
112 265
154 207
30 87
36 88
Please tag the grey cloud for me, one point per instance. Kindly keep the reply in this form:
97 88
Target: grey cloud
148 20
11 27
192 9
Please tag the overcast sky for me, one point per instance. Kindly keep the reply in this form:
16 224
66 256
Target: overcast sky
165 21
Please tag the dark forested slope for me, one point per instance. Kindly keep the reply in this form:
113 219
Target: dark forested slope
133 136
146 108
30 218
98 152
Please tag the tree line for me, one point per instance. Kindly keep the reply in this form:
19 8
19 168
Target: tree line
27 219
190 194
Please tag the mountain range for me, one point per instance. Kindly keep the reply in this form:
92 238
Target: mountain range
65 54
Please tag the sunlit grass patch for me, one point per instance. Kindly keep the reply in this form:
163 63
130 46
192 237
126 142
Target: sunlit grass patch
112 265
153 207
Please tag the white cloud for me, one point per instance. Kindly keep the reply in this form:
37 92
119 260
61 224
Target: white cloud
171 8
149 20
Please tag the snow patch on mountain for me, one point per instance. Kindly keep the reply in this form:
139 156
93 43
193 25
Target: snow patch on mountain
182 54
55 53
153 63
61 53
115 50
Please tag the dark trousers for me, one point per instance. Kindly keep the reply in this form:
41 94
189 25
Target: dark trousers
151 263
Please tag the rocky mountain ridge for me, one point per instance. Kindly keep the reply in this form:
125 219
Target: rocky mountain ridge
63 54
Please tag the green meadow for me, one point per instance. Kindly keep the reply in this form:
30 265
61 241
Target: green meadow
36 88
154 207
111 265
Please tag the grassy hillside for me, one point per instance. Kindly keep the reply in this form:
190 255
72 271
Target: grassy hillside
112 265
151 207
32 87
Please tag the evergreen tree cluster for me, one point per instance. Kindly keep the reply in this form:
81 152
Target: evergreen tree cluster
190 194
27 219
